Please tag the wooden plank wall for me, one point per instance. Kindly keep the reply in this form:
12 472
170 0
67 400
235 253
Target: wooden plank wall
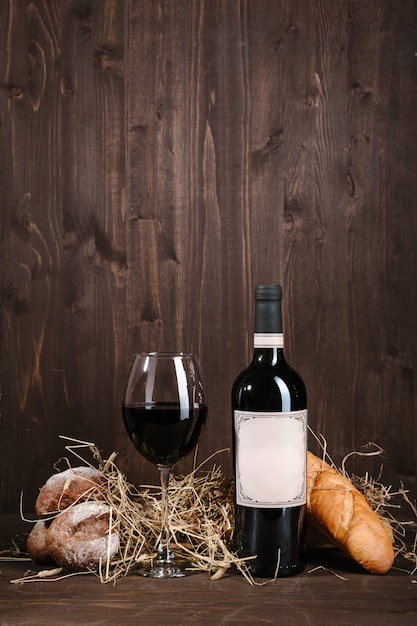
158 159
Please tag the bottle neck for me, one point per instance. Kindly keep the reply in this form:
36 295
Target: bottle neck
268 317
268 348
268 338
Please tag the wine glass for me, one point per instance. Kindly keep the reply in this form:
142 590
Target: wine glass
164 412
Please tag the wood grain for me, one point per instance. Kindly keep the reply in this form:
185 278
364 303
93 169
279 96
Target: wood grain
158 160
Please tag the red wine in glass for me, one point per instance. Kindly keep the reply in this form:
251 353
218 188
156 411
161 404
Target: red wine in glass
164 412
163 432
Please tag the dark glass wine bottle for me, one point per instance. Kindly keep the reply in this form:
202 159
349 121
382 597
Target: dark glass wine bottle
269 404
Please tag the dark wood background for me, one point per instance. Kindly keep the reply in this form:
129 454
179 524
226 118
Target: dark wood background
158 159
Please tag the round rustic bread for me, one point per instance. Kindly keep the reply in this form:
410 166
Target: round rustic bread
63 489
36 544
78 538
343 514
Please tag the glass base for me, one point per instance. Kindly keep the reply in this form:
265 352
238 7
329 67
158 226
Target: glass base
164 569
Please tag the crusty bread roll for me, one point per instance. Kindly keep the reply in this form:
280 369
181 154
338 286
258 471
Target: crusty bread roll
343 514
63 489
78 538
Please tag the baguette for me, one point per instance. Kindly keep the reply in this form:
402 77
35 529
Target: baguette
343 514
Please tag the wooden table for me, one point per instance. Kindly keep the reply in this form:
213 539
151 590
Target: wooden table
340 595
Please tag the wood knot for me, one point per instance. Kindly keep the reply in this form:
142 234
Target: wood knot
360 92
15 92
398 361
16 293
109 60
67 88
275 139
351 185
288 221
272 145
320 235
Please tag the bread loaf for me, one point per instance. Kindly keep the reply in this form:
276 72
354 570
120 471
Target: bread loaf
78 538
63 489
343 514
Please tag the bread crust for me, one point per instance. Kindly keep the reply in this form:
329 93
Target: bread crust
344 515
63 489
78 538
36 544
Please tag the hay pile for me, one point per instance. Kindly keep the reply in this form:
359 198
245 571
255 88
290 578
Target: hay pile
201 517
200 514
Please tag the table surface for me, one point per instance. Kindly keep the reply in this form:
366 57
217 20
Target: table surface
332 591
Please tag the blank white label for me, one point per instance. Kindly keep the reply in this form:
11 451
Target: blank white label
271 458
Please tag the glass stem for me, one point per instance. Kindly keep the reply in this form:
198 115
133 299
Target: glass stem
164 551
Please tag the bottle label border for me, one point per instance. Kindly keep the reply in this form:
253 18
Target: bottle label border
299 496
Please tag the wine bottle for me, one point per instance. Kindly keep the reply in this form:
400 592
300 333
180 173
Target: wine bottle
269 405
